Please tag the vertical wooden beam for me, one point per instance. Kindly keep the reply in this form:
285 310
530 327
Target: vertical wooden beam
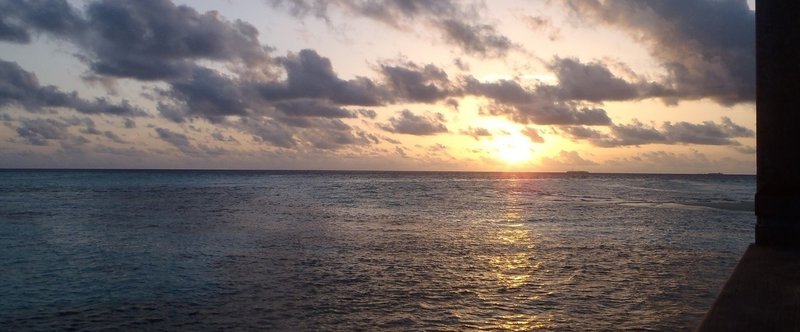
778 123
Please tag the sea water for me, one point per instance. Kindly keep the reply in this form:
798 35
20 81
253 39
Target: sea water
242 250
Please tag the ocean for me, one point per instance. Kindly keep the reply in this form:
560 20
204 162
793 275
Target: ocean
350 251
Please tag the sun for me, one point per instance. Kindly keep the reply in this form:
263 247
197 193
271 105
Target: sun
513 148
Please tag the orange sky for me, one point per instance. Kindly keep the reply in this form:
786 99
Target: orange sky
606 86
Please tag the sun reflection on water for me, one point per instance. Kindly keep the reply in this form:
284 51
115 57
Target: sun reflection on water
514 268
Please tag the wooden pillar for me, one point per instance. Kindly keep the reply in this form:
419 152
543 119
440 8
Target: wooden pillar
778 123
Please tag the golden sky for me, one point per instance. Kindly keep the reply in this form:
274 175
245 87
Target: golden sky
606 86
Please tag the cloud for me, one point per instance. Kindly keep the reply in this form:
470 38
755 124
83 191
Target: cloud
544 24
406 122
178 140
533 135
458 22
51 16
478 39
312 108
591 82
265 130
477 133
545 113
145 40
207 94
417 84
13 33
20 87
129 123
637 133
220 137
40 131
707 47
532 106
155 39
310 75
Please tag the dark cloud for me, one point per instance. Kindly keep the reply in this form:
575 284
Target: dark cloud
367 113
13 33
533 106
332 140
459 22
417 84
591 82
707 47
310 75
155 39
269 131
179 140
22 88
184 144
545 113
407 122
145 40
220 137
312 108
56 17
637 133
40 131
129 123
207 94
501 91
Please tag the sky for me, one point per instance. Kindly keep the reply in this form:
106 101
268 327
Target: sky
660 86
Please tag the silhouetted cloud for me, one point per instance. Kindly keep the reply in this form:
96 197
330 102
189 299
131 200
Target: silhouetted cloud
707 47
406 122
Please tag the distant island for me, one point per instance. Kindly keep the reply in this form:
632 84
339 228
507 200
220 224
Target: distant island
577 172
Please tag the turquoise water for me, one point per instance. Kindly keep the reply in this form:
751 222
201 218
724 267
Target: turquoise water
213 250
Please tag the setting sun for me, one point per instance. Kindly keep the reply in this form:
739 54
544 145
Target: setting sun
513 149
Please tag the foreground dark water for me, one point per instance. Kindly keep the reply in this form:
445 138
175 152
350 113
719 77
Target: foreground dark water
166 250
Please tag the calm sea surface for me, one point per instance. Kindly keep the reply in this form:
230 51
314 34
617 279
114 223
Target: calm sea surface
207 250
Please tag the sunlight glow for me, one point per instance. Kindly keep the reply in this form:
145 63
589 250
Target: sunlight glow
513 149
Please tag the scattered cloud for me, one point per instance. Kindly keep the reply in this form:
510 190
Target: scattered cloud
637 133
476 133
707 47
22 88
406 122
458 22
